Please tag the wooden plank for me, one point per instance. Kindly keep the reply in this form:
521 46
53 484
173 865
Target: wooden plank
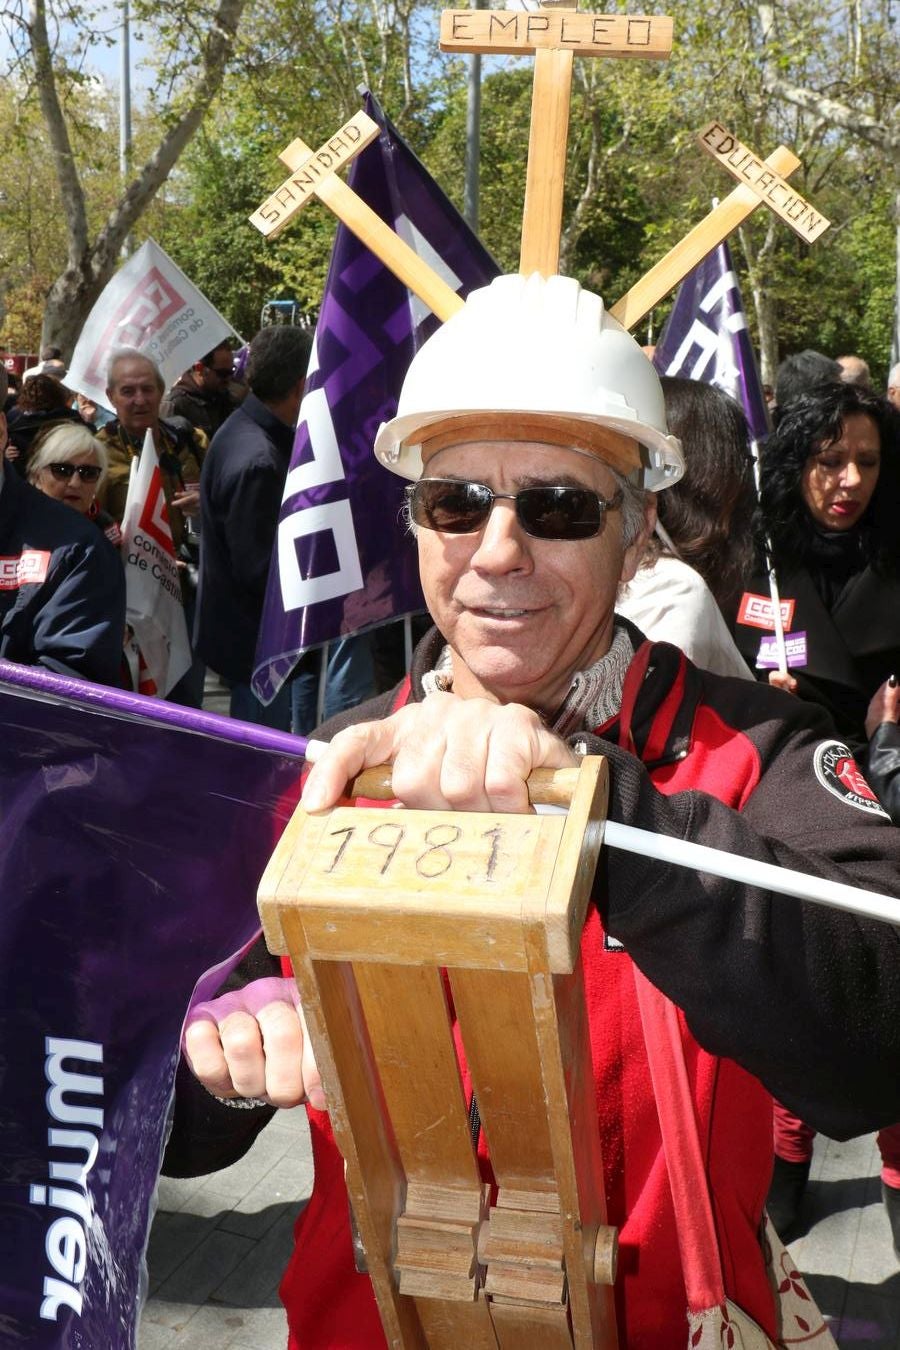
307 177
410 1031
515 33
519 1328
494 1012
546 175
374 1174
311 175
671 270
763 180
397 256
448 883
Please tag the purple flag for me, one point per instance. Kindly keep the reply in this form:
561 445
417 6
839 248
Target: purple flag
134 837
706 338
343 561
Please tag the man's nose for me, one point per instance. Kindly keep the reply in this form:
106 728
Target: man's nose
503 544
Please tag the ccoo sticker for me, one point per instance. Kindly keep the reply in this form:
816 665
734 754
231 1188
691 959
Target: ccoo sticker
838 771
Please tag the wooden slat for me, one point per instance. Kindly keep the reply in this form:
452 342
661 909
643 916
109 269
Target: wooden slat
375 1179
762 180
671 270
546 174
518 32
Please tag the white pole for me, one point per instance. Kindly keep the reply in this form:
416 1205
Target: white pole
750 872
773 580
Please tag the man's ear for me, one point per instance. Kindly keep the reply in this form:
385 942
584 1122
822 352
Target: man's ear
631 560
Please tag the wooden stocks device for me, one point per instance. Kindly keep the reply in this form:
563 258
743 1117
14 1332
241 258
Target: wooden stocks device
398 922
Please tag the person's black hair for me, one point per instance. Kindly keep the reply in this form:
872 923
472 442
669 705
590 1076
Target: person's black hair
708 514
801 374
51 353
223 346
808 426
278 358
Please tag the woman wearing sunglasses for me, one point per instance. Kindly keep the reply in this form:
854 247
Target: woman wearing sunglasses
70 464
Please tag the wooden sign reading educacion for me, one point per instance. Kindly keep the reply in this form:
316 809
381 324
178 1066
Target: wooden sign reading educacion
690 251
762 179
513 33
554 35
304 182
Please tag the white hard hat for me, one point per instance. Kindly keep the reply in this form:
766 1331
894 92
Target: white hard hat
547 352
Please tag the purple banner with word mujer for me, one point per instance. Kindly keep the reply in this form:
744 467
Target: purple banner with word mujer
134 835
343 560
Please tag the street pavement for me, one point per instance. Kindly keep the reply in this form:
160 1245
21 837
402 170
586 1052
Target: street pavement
219 1243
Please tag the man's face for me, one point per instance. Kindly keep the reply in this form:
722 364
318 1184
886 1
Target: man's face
893 394
135 395
214 379
522 615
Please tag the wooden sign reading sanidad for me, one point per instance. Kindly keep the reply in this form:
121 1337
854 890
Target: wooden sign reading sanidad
768 185
305 181
513 32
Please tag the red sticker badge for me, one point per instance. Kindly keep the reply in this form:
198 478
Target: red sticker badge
758 612
838 771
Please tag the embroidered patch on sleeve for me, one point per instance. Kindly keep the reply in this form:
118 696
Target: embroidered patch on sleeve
839 773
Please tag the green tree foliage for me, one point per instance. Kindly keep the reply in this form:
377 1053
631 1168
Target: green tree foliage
636 179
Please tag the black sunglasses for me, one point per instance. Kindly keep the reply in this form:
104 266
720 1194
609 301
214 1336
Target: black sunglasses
543 512
88 473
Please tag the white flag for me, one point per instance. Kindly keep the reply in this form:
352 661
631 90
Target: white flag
149 304
152 586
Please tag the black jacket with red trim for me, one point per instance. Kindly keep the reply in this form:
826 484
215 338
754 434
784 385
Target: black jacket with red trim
804 997
851 648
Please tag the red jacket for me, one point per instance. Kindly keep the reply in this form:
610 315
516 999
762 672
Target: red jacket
715 948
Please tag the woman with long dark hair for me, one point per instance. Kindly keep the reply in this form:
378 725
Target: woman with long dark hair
829 489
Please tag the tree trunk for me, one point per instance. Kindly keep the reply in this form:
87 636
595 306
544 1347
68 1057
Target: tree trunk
765 304
91 264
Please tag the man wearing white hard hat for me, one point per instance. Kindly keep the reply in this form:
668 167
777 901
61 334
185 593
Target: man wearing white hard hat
531 427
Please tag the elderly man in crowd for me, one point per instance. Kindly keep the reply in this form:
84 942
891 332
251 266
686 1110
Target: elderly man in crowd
135 387
893 386
530 425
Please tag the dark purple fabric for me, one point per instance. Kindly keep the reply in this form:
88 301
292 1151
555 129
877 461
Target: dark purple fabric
134 835
706 338
343 561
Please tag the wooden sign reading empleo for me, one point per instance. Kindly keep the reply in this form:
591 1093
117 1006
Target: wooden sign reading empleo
275 212
554 35
509 32
762 179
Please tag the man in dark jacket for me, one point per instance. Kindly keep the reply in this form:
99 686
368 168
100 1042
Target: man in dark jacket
201 395
240 496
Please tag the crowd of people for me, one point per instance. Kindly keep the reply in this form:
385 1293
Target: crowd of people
596 558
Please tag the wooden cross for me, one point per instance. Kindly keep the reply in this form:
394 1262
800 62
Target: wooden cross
763 182
314 174
555 36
